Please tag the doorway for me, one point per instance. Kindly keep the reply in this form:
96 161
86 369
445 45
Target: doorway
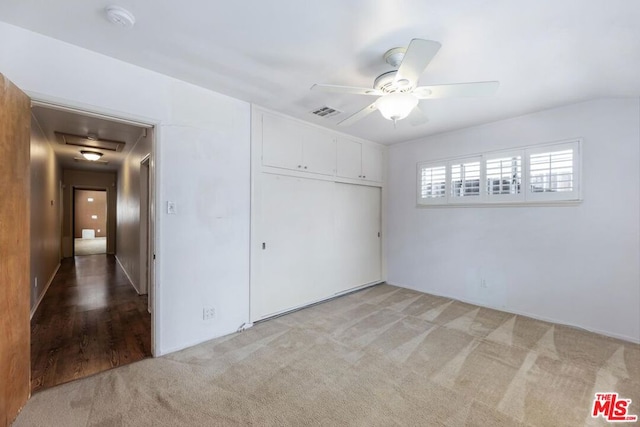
90 211
93 314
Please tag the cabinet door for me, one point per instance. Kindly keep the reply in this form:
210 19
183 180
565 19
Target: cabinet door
318 152
349 159
371 163
281 143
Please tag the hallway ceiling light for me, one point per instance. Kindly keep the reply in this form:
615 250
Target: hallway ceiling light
91 155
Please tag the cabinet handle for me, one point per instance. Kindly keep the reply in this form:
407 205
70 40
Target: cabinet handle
359 176
299 166
305 167
363 176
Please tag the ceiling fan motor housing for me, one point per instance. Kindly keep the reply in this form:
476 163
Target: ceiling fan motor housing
386 83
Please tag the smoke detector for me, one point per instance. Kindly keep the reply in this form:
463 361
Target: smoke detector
120 16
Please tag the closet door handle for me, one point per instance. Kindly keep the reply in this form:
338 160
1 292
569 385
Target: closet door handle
305 167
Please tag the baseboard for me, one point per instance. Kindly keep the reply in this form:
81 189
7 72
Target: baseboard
634 340
44 291
126 273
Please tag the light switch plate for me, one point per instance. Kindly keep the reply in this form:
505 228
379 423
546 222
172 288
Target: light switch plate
171 208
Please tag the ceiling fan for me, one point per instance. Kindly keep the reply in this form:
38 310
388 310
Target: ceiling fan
398 91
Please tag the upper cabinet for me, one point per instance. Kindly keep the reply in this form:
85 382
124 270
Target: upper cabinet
356 160
291 145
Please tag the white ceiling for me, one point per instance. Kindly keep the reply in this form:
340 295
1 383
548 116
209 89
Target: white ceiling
52 120
545 53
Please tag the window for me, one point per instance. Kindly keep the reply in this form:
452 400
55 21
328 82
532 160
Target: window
503 172
465 179
432 183
553 172
535 174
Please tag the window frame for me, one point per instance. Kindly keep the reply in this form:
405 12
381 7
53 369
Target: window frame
525 197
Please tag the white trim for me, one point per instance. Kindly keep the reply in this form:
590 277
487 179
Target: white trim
44 291
40 100
126 273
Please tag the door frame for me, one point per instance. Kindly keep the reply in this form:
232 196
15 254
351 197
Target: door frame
146 230
39 99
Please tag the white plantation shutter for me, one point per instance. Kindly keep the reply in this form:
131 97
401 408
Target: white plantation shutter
432 180
553 172
503 172
465 179
544 173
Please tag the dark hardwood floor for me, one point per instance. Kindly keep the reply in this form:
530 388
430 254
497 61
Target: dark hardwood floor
90 320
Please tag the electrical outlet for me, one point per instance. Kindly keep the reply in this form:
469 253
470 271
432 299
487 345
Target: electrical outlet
208 313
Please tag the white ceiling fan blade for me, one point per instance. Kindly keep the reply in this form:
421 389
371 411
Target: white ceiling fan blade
346 89
417 117
359 115
457 90
418 55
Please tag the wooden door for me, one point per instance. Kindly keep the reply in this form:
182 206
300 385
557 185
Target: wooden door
15 121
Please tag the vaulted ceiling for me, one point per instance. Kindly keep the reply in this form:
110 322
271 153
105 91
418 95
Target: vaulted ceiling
545 53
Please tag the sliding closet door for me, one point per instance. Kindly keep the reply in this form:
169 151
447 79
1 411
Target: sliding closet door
296 227
357 245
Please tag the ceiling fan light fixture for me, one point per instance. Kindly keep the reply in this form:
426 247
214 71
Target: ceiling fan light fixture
91 155
396 106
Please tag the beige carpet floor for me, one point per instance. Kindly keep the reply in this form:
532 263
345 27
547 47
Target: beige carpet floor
90 246
384 356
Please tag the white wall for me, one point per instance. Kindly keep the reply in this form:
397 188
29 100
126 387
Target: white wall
128 207
202 158
577 265
46 213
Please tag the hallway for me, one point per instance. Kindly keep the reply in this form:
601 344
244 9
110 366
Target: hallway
90 320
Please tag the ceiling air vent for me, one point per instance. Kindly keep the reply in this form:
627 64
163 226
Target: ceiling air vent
326 112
